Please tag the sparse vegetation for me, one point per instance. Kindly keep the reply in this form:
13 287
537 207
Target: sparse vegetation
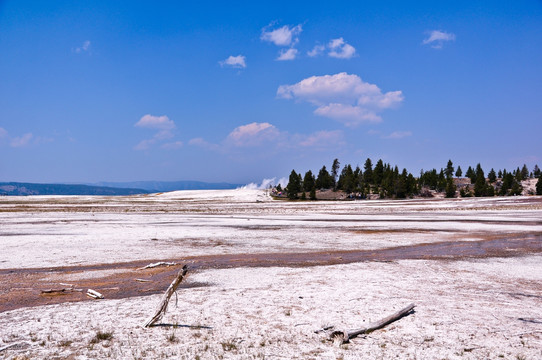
101 336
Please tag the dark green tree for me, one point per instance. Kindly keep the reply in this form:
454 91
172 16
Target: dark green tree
368 171
524 172
294 185
378 173
324 180
312 194
308 181
459 172
539 186
346 180
449 169
536 171
450 188
492 176
471 175
499 175
480 188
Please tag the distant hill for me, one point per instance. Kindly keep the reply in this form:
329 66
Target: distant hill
15 188
162 186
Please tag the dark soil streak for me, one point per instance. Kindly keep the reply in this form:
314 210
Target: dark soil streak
21 287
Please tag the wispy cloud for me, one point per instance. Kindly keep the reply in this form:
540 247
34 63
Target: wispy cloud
238 62
398 135
162 124
289 54
21 141
342 97
283 36
254 134
316 50
3 133
265 138
336 48
83 48
437 38
339 49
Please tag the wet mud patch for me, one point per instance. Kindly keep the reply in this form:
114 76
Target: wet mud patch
22 287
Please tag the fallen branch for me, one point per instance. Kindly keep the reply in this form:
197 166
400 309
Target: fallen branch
143 280
10 346
342 337
94 294
161 263
60 291
162 307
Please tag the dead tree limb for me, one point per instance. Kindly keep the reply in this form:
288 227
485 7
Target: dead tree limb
342 337
94 294
162 307
161 263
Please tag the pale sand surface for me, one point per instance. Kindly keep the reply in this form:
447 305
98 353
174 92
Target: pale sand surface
465 309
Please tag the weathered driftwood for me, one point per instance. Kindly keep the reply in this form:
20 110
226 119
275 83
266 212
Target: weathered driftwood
60 291
161 263
10 346
342 337
162 307
143 280
94 294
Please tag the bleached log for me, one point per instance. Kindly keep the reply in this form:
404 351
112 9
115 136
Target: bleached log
94 294
162 307
63 290
342 337
143 280
9 346
161 263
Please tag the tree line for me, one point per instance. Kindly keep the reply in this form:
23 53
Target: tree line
388 182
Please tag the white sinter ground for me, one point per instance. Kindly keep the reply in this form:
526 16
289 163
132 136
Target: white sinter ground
484 308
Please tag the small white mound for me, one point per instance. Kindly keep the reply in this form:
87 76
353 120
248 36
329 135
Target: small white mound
233 195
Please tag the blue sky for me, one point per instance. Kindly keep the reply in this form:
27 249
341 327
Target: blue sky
239 92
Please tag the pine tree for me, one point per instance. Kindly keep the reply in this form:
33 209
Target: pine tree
450 188
480 183
378 173
294 185
500 175
492 176
308 181
368 171
459 172
536 171
312 194
524 172
471 175
324 181
449 169
539 186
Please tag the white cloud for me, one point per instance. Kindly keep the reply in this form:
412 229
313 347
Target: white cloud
342 97
339 49
398 135
21 141
163 124
155 122
238 62
322 139
289 54
3 133
283 36
437 38
253 134
316 50
83 48
348 114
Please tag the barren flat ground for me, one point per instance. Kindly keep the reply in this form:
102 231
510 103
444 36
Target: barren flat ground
264 275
